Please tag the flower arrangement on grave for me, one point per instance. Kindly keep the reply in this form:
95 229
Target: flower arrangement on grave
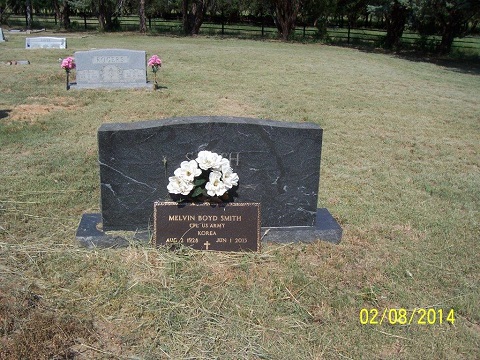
68 64
208 178
155 62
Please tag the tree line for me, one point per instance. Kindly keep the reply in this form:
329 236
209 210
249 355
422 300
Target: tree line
448 19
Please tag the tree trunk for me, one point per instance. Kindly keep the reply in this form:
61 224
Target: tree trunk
186 25
141 13
28 14
396 19
101 15
448 35
62 12
105 15
286 16
58 13
192 16
452 26
65 19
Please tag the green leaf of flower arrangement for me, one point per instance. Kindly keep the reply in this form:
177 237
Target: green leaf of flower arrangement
199 182
197 192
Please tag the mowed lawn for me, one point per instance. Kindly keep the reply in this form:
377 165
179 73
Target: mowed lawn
400 172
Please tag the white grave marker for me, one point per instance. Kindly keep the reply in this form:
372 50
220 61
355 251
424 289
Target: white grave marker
45 43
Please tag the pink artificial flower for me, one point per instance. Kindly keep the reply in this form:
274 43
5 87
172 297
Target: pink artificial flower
68 63
154 61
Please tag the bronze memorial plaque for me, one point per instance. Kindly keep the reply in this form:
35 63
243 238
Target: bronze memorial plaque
205 226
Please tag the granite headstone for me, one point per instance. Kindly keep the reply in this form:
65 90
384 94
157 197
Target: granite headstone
278 164
2 37
45 42
110 68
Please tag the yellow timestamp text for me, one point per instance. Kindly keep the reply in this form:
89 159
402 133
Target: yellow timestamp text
400 316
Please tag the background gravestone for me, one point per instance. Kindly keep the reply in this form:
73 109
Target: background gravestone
278 164
2 37
111 68
45 42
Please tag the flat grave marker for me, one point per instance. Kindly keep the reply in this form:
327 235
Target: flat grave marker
221 227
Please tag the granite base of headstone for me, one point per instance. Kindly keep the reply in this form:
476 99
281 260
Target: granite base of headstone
90 235
278 164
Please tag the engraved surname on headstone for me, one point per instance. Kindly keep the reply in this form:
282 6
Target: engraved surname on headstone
45 43
111 68
110 60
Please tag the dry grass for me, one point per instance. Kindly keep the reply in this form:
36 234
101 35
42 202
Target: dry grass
400 171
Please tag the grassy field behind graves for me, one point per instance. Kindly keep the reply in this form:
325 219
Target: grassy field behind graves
400 172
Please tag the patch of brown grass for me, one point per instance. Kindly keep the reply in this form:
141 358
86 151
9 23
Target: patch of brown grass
30 330
39 107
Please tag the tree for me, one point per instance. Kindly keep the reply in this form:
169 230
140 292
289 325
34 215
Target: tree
193 14
228 10
62 12
107 11
142 18
28 14
17 7
286 12
317 13
396 13
158 8
4 11
450 19
396 19
353 9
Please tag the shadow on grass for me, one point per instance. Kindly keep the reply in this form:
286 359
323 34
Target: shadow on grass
467 64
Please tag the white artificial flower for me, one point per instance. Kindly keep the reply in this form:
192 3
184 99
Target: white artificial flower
215 185
178 185
208 160
188 170
223 163
229 178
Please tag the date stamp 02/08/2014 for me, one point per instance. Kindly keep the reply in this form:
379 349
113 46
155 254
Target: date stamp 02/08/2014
401 316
